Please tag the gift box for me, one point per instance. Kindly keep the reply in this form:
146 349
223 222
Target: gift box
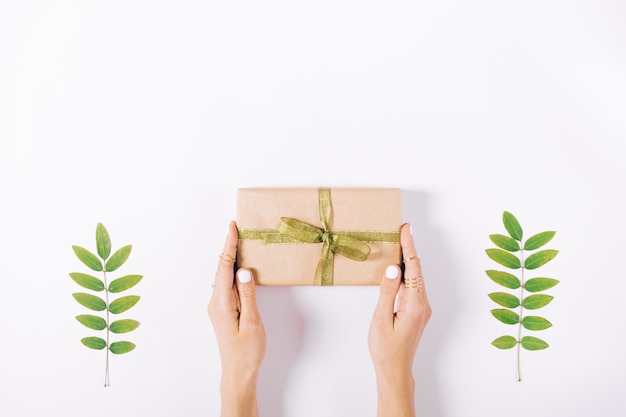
318 236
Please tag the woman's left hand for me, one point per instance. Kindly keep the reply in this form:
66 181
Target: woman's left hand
239 331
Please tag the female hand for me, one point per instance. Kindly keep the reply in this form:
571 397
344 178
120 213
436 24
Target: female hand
239 332
395 333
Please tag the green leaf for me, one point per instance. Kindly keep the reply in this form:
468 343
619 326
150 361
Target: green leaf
540 284
512 225
90 301
121 347
535 323
505 316
87 281
504 258
538 240
504 278
103 241
118 258
123 326
505 299
94 342
533 343
124 283
540 258
88 258
93 322
505 342
505 242
533 302
123 303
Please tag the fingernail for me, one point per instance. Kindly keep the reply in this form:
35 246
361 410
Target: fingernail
391 272
244 276
411 229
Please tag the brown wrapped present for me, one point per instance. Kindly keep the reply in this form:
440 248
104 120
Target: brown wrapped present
311 236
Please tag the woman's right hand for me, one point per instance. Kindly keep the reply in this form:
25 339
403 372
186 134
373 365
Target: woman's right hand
396 329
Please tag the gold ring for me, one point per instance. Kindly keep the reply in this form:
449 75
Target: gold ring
411 258
227 257
417 283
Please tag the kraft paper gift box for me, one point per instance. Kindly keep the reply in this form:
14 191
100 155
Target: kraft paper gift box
318 236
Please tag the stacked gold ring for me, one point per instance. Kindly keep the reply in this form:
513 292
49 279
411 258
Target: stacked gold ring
417 283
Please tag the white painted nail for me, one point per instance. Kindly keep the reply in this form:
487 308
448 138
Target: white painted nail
391 272
244 276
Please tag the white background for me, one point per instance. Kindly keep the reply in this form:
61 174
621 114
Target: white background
148 115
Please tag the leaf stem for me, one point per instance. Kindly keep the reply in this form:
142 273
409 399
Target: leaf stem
521 316
106 295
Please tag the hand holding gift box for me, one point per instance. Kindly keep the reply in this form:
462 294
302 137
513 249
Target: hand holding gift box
308 236
397 325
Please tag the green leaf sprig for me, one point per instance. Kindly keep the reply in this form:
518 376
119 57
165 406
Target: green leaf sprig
505 255
104 262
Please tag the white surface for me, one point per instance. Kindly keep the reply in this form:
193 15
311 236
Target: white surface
147 116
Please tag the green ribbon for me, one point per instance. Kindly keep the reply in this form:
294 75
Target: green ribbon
350 244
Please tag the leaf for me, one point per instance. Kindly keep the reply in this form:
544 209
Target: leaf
540 284
121 347
504 278
505 342
123 303
88 258
103 241
94 342
505 299
533 343
124 283
87 281
535 323
93 322
538 240
505 242
118 258
512 225
90 301
504 258
535 260
505 316
533 302
124 326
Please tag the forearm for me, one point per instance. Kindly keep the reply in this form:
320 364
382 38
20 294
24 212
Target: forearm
239 396
396 395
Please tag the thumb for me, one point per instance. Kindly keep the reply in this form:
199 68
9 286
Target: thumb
388 290
247 294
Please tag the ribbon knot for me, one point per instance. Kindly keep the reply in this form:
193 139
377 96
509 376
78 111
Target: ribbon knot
327 237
